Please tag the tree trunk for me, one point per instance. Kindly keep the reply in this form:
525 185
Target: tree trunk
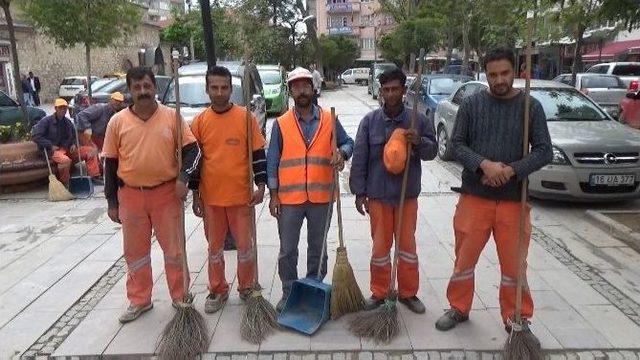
312 31
87 59
577 56
600 43
14 55
449 47
465 45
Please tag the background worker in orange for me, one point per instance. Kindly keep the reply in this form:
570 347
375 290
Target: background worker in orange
145 187
56 135
221 194
300 166
487 140
376 179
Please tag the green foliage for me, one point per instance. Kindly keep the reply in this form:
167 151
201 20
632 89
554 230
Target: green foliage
94 23
338 52
409 37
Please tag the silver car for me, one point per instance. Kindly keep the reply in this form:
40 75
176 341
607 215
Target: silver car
594 157
606 90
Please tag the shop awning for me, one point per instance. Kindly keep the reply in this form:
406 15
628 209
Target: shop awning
611 50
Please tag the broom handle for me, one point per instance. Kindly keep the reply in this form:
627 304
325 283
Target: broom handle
334 145
181 231
405 176
48 165
525 182
254 233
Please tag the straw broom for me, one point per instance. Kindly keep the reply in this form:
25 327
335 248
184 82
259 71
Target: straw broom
57 191
346 296
381 324
186 335
259 318
521 345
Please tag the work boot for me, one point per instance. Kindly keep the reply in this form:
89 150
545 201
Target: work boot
281 304
450 319
133 312
414 304
372 303
215 302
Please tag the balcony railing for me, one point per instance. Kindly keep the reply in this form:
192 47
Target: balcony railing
343 30
341 8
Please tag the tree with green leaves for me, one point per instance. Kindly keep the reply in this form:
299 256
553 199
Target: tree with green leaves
5 4
92 23
408 38
339 52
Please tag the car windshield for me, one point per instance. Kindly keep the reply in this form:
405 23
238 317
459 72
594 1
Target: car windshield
444 86
270 77
192 92
113 86
96 85
561 104
609 82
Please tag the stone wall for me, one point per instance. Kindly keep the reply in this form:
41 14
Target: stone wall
51 63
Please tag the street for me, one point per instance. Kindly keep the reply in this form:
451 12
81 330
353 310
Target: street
62 280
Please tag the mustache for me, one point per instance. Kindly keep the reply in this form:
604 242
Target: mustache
144 96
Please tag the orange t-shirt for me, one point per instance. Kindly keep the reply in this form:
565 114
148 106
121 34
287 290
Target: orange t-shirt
146 150
224 176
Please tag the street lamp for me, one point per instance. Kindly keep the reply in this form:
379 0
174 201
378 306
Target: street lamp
293 34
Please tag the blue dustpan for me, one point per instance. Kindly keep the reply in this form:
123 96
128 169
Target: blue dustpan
81 186
308 306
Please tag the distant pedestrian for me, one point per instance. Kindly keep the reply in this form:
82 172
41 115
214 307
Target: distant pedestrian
34 86
26 91
317 83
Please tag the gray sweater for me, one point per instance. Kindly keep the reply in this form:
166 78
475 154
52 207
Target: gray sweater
490 128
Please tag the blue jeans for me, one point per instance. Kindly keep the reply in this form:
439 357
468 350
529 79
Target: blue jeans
289 225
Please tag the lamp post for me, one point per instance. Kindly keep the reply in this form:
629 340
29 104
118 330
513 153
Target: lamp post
293 34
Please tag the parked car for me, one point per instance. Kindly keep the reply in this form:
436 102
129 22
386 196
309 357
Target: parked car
358 76
629 72
456 69
630 109
605 90
81 100
275 89
72 85
375 70
10 112
435 88
194 99
594 157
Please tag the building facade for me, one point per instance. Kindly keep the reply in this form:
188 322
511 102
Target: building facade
361 19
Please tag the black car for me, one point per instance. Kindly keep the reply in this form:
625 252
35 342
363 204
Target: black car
11 114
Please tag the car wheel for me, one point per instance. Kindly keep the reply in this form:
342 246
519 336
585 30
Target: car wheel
444 149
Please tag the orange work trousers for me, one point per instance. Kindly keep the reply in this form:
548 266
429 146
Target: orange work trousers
383 220
65 159
237 219
141 211
474 221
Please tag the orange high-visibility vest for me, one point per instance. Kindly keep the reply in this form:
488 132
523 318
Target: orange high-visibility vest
305 173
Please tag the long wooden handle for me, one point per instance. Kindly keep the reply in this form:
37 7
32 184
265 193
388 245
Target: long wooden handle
405 175
249 120
336 177
525 182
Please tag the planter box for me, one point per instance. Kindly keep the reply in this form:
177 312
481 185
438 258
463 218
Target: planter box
22 163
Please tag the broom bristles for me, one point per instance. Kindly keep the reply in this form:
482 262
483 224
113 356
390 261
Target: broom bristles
346 296
185 336
57 191
380 324
522 345
259 319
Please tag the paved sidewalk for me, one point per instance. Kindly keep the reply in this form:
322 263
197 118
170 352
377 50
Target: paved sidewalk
62 283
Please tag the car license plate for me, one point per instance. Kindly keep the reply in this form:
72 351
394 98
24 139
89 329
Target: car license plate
612 180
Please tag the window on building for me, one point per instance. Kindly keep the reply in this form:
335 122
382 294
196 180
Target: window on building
344 21
367 43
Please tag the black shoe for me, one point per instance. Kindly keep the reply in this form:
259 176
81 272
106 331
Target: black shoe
281 304
414 304
372 303
450 319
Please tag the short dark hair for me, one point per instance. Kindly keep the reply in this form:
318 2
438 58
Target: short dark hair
217 71
499 53
138 73
393 74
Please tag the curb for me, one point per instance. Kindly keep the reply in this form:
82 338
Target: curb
614 228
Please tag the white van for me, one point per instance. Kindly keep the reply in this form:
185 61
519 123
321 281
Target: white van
71 85
358 76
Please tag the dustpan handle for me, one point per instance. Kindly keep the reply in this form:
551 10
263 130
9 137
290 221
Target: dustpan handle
334 145
75 135
327 223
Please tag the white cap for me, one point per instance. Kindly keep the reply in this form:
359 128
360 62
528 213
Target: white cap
299 73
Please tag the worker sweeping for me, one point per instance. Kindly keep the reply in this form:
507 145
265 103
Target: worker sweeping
376 176
488 140
145 187
221 193
300 162
92 121
55 134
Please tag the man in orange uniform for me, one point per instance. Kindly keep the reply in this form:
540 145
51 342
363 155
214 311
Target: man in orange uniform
376 180
145 187
221 194
300 165
56 135
487 140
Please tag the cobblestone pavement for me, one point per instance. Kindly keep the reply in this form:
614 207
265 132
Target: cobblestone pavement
62 282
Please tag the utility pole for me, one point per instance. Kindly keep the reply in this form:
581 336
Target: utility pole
207 27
